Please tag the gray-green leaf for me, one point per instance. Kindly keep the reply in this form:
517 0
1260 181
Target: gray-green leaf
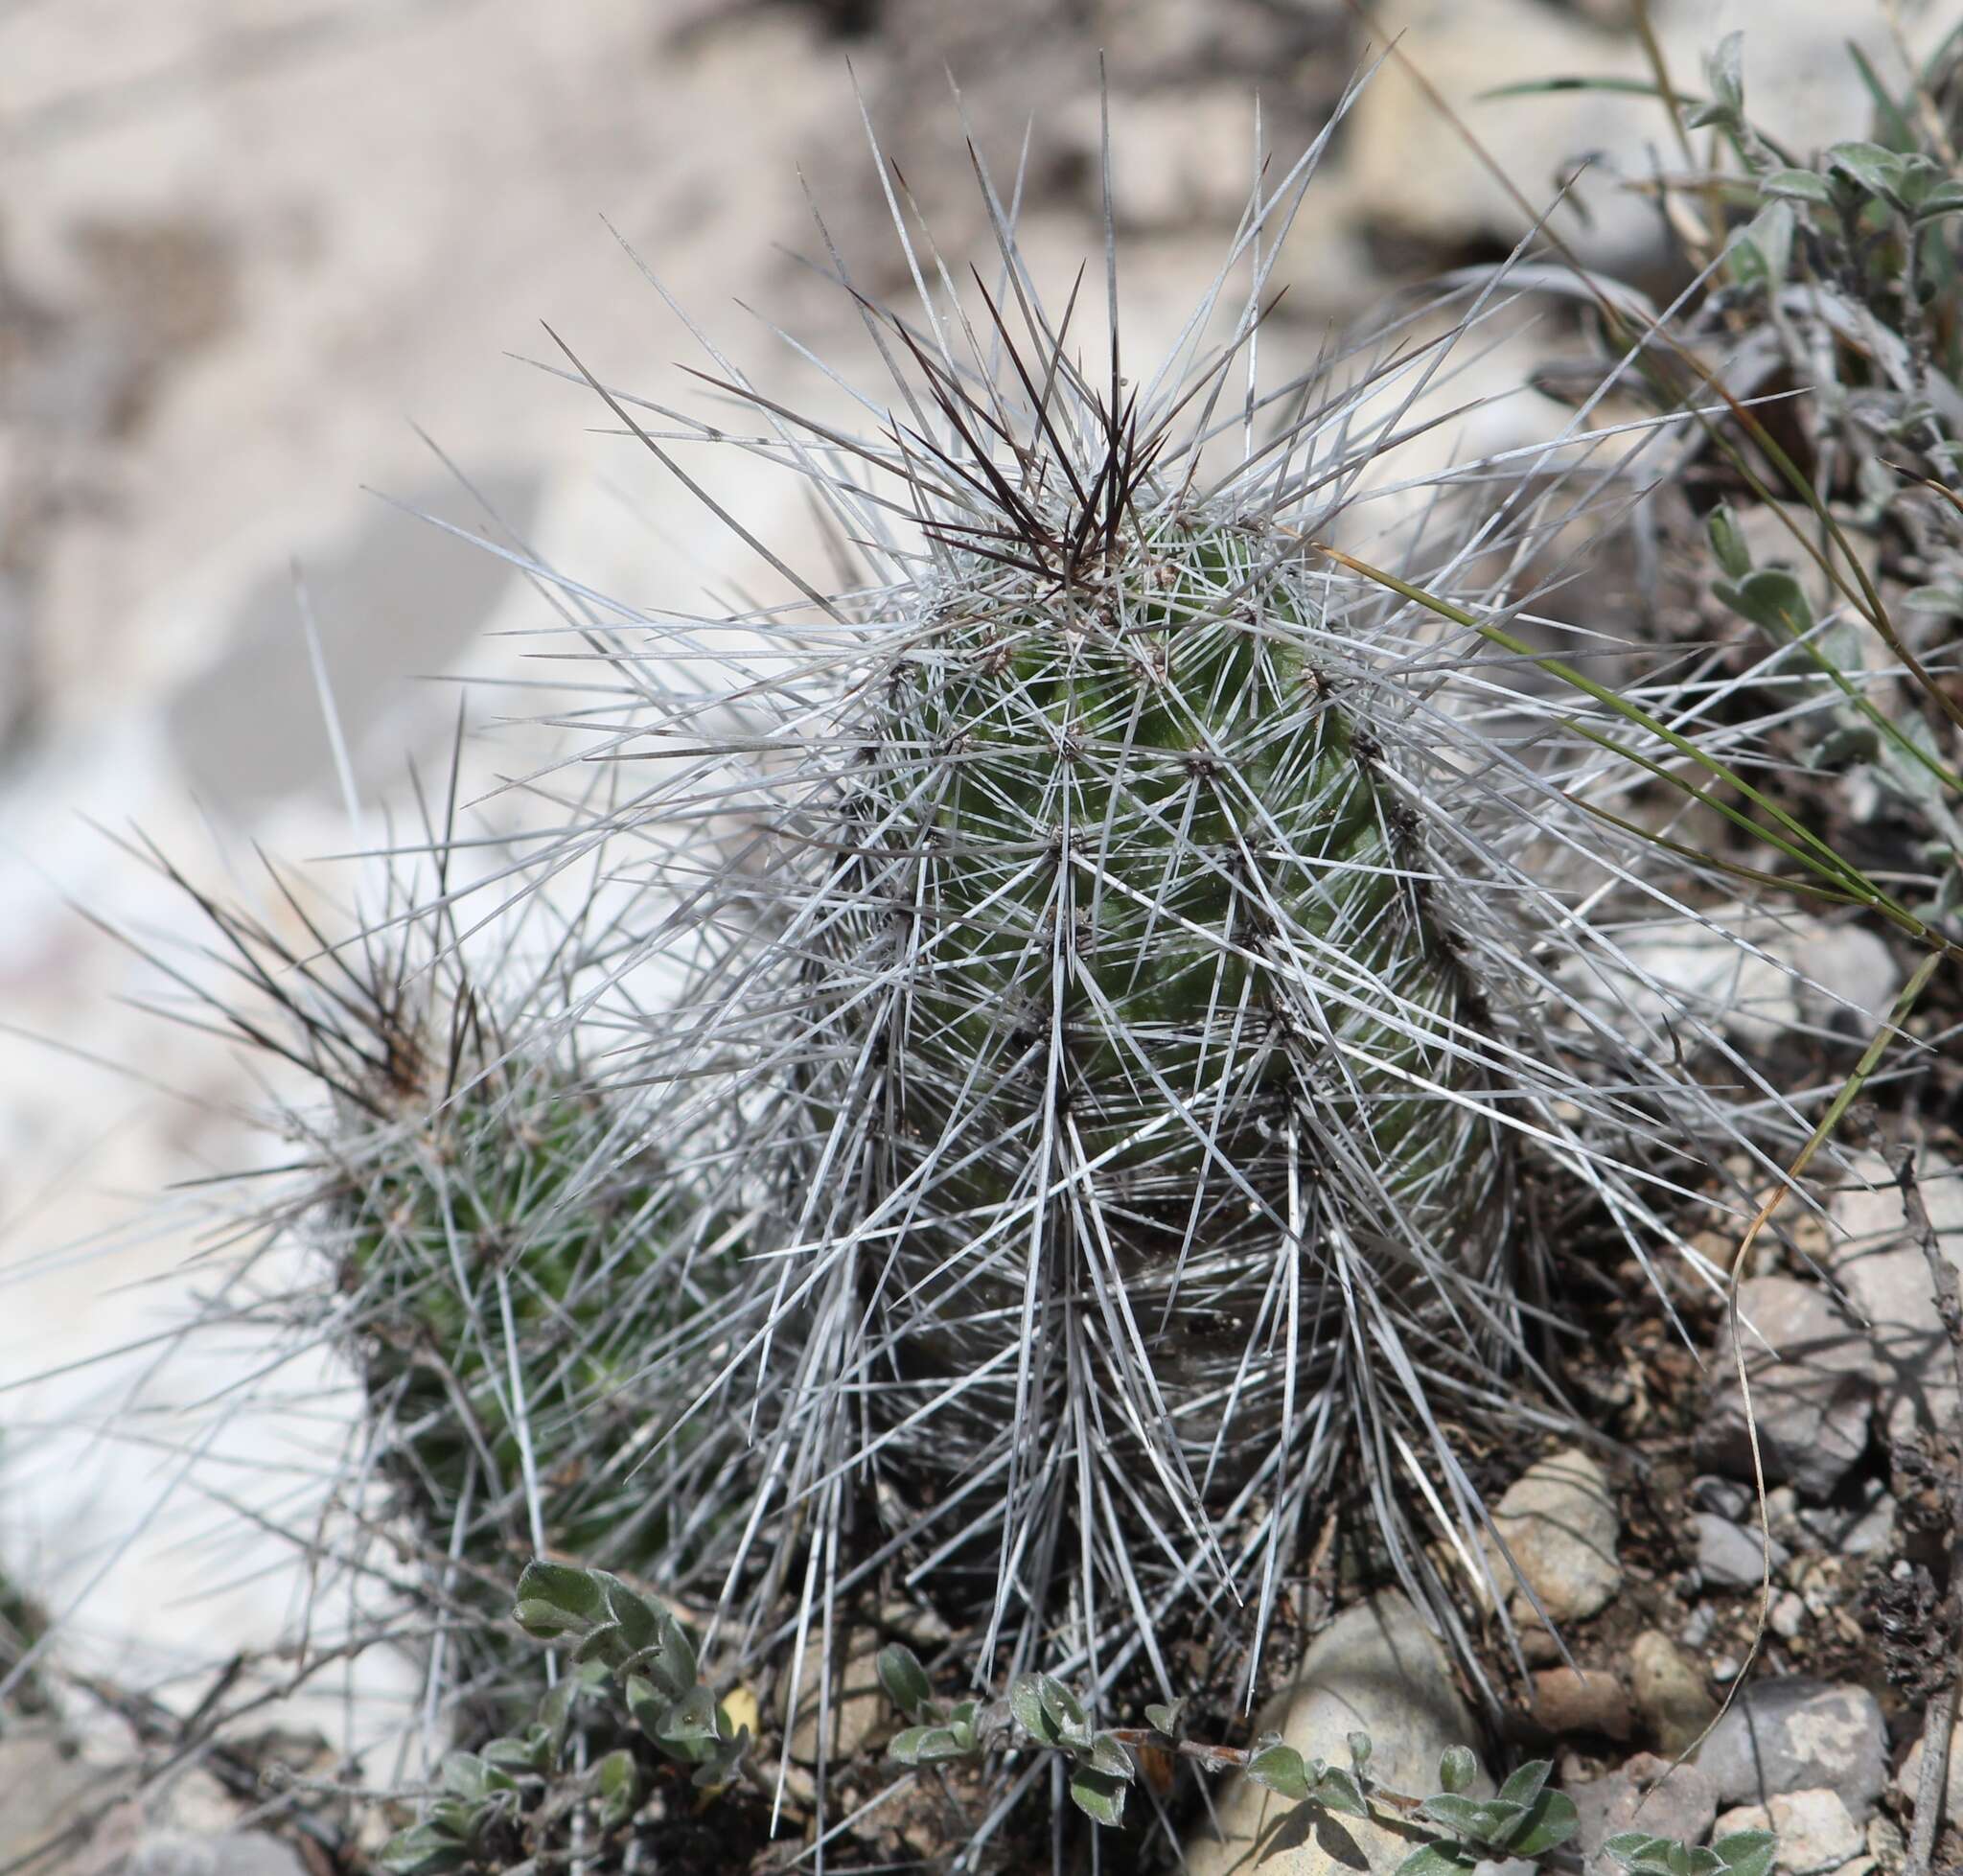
904 1679
1098 1795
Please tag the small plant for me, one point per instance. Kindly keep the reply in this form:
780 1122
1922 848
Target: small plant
533 1794
530 1792
1525 1819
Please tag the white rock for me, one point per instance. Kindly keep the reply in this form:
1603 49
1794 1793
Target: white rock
1880 1265
1814 1829
1811 1375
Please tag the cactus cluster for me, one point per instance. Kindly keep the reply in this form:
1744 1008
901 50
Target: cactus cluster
1151 984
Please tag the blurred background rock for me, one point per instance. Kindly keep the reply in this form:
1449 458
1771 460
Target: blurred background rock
247 246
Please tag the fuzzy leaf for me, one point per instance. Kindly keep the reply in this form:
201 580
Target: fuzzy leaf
1281 1769
1761 252
1048 1712
1725 73
1434 1859
1727 541
543 1620
1477 1820
1798 186
641 1627
719 1769
1771 599
688 1725
576 1594
472 1778
1026 1707
1876 170
617 1780
530 1753
1164 1718
1746 1852
1551 1820
1638 1849
1526 1784
1335 1790
1108 1757
423 1850
1066 1713
1099 1796
927 1746
1359 1751
1457 1768
606 1644
904 1679
1945 198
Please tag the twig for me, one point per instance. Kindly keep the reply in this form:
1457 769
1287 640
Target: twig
1929 1793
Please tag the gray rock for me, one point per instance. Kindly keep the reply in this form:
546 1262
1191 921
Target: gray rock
1560 1521
1669 1691
1880 1265
1375 1669
1798 1736
237 1853
854 1703
1812 1399
1865 1528
1729 1557
1729 1497
42 1790
1644 1794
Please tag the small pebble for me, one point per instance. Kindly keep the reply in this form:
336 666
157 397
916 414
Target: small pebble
1729 1557
1789 1616
1669 1691
1568 1700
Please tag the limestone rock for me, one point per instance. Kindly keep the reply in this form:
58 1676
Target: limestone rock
1815 1832
1669 1691
1798 1736
1879 1263
1644 1794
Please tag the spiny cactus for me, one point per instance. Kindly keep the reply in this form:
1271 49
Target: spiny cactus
1168 991
475 1229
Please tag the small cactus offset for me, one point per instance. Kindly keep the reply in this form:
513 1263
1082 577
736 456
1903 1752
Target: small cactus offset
477 1230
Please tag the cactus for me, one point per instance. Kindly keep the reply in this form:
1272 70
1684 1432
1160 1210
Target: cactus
506 1269
1156 961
